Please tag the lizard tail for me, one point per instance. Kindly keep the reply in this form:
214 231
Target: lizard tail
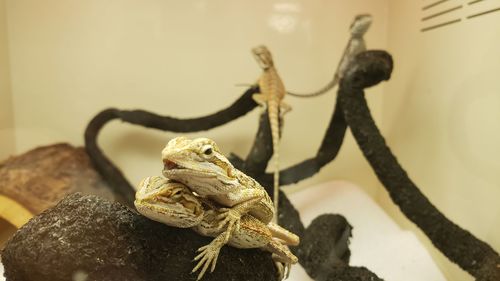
275 134
319 92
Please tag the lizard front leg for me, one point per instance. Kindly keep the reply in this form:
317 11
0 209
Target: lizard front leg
231 217
284 108
209 254
250 200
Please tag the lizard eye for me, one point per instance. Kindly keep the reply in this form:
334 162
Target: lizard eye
207 150
176 193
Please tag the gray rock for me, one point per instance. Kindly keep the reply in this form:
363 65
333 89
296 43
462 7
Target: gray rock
89 238
325 244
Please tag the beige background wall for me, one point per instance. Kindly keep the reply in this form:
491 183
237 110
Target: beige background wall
71 59
441 114
7 143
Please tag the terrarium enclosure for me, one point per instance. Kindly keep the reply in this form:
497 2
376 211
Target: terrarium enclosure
64 63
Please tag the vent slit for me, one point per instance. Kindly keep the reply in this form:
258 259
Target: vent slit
442 13
433 4
475 1
439 25
483 13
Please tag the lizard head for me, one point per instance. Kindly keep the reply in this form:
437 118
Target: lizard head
168 202
263 56
361 24
200 165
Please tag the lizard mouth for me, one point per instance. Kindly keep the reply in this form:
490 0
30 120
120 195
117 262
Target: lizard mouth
173 170
170 165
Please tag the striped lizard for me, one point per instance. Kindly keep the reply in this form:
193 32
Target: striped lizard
201 166
172 203
272 92
356 45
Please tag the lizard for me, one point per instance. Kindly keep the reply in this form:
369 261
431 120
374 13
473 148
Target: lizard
200 165
272 92
172 203
355 45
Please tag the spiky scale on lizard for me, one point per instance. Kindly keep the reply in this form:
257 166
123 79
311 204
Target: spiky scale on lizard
356 45
272 93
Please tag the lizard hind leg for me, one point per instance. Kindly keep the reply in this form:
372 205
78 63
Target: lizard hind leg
283 258
283 270
260 99
284 236
284 108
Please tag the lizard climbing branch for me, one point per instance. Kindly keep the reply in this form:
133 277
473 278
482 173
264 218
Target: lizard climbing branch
459 245
355 45
261 153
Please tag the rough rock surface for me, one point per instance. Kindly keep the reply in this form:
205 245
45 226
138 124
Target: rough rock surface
41 177
318 255
89 236
324 251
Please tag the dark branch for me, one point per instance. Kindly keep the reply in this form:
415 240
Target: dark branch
121 187
459 245
240 107
262 148
332 141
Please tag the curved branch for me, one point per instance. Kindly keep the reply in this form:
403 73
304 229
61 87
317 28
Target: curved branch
240 107
459 245
332 140
330 147
121 187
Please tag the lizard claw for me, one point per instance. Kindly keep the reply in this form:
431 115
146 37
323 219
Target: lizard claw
283 270
206 258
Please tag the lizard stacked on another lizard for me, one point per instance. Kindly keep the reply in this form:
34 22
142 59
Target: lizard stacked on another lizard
174 204
206 172
272 92
356 45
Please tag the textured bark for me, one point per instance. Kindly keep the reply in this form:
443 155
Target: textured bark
39 178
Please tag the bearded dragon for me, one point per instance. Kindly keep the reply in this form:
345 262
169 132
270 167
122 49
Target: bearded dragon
200 165
272 92
172 203
356 45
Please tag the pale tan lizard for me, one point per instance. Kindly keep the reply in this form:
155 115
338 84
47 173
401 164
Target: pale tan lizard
272 92
356 45
174 204
200 165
